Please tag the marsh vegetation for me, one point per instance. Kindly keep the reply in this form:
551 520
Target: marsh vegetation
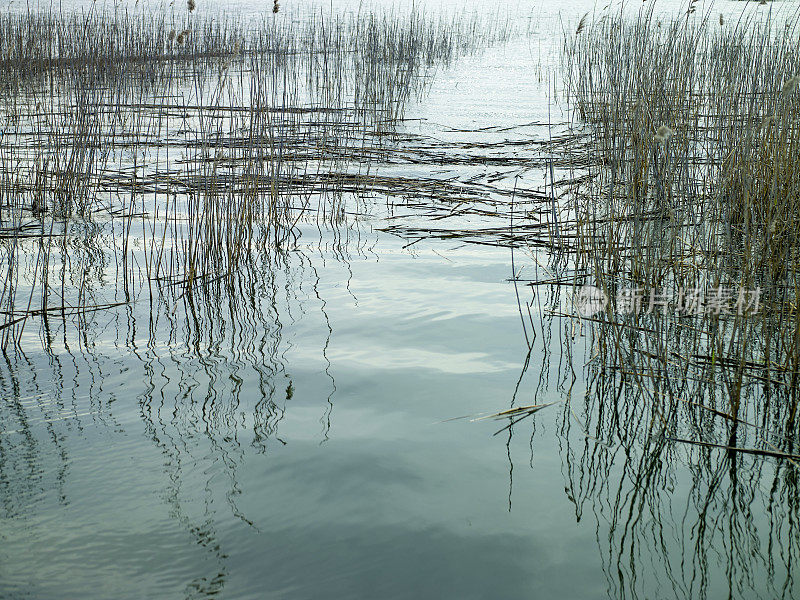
232 251
199 140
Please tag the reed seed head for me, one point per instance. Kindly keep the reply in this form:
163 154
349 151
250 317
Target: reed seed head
790 86
663 134
581 24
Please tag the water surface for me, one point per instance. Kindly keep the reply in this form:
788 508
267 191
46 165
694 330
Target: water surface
289 434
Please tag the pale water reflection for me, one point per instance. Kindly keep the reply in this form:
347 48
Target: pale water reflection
251 446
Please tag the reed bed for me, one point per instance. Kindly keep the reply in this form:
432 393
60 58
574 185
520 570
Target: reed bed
180 145
684 222
679 429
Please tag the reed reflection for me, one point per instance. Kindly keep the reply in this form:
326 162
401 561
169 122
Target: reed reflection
688 500
209 365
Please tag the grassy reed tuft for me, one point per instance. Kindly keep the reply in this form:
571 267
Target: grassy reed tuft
691 191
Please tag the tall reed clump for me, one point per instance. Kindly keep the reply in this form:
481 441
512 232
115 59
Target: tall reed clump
687 218
682 215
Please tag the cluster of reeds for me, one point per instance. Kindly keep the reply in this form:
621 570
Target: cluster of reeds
190 142
675 207
685 219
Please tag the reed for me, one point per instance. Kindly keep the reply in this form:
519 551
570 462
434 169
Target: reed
189 142
686 211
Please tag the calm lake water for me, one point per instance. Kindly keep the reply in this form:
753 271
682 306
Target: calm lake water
293 437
